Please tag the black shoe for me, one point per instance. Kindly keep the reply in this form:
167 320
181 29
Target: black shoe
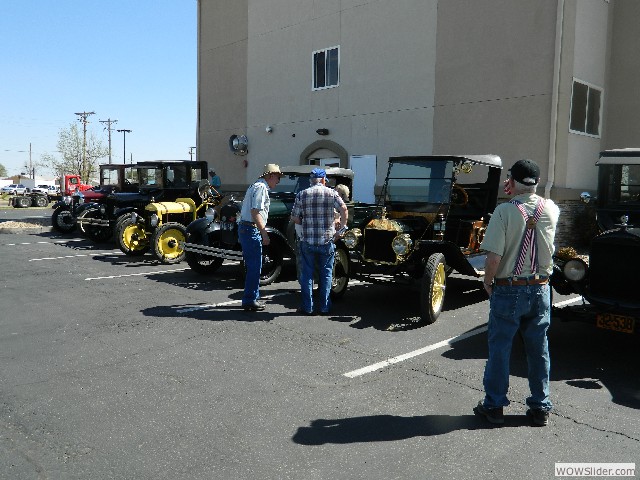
493 415
538 417
254 306
302 311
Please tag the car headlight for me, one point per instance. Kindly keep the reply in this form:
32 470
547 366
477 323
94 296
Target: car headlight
154 220
575 270
67 200
352 237
402 244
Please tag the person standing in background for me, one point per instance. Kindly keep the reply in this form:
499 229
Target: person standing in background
314 209
252 233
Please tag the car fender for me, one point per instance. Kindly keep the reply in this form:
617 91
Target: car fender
86 206
472 265
280 240
202 225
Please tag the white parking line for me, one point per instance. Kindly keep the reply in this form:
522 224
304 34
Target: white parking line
96 254
55 241
137 274
430 348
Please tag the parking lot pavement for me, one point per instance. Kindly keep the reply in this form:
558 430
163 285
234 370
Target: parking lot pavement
120 367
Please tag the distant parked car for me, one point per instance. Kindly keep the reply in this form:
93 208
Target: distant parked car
44 189
14 189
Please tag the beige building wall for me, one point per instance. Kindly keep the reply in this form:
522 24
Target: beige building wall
494 79
622 115
417 77
384 103
222 84
589 66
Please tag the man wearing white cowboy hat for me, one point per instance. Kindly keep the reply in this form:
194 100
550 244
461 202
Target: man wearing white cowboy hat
252 233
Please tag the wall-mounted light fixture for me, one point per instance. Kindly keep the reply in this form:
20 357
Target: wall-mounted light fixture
268 129
322 131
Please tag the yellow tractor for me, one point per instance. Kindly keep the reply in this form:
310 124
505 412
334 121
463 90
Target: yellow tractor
162 225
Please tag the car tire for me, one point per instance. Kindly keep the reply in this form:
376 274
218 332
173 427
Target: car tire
432 288
24 202
167 242
95 233
62 220
271 265
203 264
131 237
340 278
40 201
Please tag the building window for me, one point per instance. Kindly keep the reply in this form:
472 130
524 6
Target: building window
586 101
326 68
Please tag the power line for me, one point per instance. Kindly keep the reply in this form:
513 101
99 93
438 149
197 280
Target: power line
83 119
108 128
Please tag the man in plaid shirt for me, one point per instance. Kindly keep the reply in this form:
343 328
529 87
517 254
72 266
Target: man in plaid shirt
314 209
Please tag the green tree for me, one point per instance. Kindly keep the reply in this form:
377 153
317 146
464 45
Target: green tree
73 157
3 171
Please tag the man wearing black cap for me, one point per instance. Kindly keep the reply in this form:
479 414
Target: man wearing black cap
314 209
519 244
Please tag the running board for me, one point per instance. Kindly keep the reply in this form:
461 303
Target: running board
211 251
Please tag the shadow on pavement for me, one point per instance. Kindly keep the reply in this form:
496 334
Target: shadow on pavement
388 428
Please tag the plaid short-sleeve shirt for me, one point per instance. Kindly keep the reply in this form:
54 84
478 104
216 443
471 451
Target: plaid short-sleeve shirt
316 207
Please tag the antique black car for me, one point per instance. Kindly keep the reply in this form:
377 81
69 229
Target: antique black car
433 215
113 178
213 239
605 277
158 181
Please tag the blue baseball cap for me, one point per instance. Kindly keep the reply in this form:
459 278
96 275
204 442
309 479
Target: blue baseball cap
318 173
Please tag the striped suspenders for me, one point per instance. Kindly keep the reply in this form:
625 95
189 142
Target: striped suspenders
528 237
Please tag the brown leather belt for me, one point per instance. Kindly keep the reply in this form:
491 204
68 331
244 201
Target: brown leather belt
518 282
248 224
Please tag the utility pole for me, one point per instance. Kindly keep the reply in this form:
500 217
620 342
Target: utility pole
124 148
191 149
108 128
83 119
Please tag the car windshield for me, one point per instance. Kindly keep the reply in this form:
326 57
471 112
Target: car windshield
295 183
150 177
411 181
623 184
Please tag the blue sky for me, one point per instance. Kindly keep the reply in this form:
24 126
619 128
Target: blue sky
130 60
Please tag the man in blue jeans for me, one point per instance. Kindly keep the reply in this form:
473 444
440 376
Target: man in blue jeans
252 233
314 209
519 244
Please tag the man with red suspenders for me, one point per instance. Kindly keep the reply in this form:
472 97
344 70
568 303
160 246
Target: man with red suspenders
519 244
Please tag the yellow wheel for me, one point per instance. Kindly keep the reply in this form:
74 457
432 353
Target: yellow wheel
434 283
132 237
168 242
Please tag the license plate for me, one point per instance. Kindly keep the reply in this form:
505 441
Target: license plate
619 323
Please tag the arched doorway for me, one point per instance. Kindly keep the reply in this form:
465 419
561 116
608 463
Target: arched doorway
325 153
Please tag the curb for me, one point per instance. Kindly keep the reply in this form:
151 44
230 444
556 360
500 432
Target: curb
36 229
